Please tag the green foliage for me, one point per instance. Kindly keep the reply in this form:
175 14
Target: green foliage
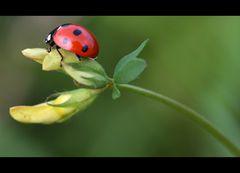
130 66
115 92
128 69
88 73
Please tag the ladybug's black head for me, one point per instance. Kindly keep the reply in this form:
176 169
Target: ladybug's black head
48 39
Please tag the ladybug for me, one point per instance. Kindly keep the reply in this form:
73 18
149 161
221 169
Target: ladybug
74 38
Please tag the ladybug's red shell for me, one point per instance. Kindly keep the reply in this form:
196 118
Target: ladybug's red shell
77 39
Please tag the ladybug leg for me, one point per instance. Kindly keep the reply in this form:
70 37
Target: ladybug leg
59 53
79 57
49 49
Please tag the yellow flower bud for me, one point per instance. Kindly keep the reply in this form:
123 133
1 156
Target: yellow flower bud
58 110
49 60
36 54
86 72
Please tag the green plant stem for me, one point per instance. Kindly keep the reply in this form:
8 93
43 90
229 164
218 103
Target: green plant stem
189 113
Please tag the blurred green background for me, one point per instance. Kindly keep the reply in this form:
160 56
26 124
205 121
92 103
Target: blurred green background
195 60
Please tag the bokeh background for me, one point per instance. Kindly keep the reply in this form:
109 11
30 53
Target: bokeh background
195 60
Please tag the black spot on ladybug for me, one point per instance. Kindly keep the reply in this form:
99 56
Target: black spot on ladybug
65 41
77 32
85 48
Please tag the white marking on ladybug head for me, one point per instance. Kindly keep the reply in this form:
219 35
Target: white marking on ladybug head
49 37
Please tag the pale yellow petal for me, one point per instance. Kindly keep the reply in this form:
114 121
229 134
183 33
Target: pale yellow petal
42 113
46 114
36 54
51 62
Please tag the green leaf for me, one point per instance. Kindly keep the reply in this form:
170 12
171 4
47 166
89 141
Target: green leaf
130 71
123 61
115 92
88 73
94 65
130 67
136 52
